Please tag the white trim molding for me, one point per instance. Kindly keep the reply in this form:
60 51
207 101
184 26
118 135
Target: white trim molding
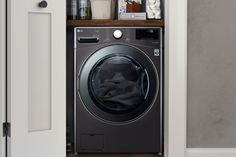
211 152
2 74
175 77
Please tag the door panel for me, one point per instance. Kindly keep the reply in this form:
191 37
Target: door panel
2 74
39 71
36 78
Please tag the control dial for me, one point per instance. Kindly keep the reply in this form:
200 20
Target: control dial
117 34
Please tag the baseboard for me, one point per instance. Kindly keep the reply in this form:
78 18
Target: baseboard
211 152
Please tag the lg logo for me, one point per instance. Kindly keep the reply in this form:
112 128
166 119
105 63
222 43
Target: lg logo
156 52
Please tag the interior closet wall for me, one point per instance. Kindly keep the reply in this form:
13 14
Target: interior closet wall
211 73
70 88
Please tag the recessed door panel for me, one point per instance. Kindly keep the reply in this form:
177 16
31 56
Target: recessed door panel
39 71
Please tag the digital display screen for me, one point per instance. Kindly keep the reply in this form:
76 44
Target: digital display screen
152 34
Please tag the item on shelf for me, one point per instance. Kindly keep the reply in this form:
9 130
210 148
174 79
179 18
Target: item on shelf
89 10
101 9
114 4
135 7
133 16
153 9
84 9
73 9
122 5
67 8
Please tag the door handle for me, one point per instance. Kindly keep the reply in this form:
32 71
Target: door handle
88 39
43 4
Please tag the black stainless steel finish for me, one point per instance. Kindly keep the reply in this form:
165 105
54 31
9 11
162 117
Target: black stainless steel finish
121 106
88 39
118 90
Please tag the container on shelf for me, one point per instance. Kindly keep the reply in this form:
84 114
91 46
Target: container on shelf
114 4
101 9
84 9
72 9
153 9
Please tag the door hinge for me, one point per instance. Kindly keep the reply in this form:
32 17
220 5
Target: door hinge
6 129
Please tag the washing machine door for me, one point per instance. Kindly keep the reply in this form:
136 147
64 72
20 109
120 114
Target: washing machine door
118 83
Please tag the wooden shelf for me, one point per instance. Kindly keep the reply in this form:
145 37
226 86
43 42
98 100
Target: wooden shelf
118 23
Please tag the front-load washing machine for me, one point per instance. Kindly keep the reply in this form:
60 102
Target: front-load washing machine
118 90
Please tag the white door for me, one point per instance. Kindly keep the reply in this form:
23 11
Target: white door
2 74
36 78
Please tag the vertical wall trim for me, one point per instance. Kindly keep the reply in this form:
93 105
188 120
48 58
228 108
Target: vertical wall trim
176 77
211 152
2 75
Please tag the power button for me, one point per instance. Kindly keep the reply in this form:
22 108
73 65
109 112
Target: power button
117 34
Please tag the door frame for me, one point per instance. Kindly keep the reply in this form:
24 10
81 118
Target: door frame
2 75
175 78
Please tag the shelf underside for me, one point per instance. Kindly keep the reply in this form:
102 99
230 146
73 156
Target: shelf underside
113 155
118 23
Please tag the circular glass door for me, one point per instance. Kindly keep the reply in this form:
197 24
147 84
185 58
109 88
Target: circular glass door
118 83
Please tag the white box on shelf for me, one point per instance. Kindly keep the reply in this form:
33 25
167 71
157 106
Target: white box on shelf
132 16
101 9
